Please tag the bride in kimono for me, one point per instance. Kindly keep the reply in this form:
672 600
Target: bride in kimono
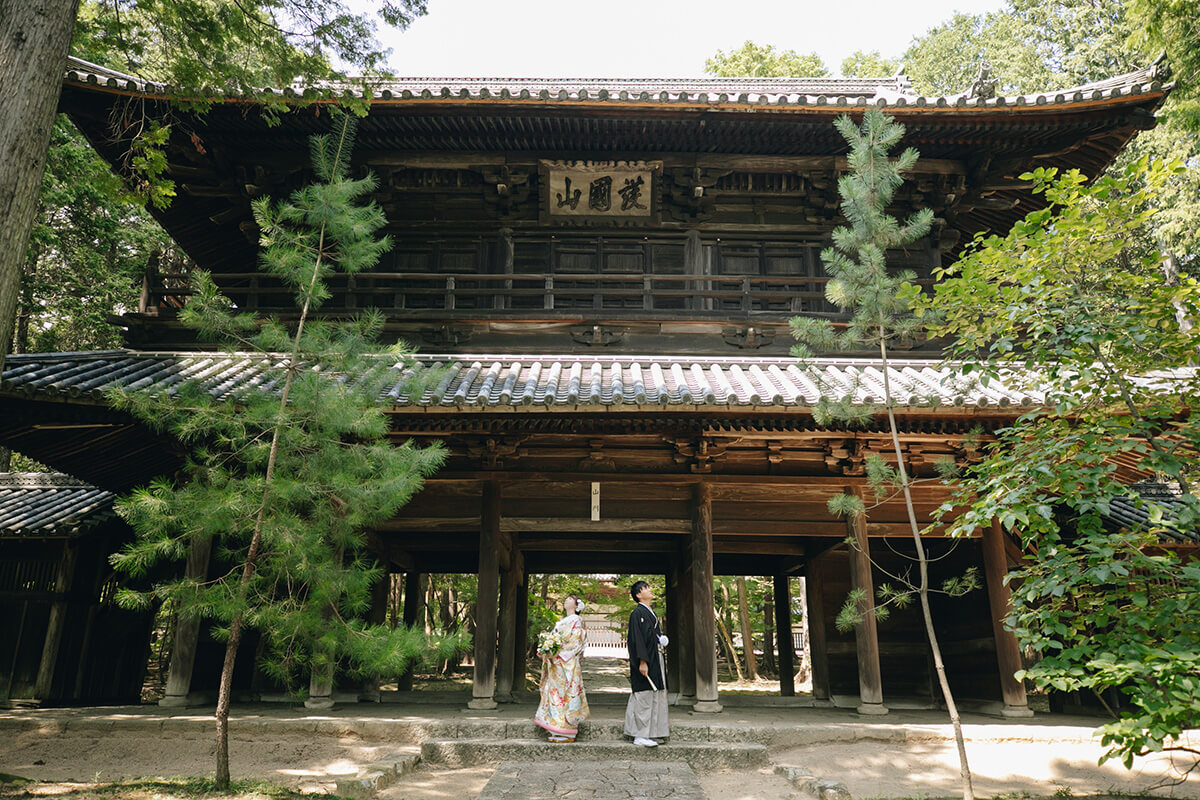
564 704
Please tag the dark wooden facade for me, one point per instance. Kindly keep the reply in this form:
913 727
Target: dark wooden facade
63 639
659 395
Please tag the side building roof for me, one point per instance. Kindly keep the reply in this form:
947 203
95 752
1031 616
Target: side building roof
50 505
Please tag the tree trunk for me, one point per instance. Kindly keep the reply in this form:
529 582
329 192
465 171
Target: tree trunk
726 639
968 790
768 610
34 40
747 634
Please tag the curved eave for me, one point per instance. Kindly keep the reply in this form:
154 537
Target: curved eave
1067 100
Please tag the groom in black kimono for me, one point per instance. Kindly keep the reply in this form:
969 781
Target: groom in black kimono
646 714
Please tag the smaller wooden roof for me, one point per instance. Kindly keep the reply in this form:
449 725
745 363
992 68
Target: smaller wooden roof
50 505
1129 513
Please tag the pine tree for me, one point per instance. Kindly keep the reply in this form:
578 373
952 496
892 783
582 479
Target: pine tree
287 474
879 303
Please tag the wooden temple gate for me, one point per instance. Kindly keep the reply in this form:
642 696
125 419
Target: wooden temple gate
608 268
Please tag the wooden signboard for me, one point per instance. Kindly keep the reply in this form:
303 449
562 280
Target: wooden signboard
587 192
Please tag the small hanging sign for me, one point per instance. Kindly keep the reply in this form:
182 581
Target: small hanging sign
595 501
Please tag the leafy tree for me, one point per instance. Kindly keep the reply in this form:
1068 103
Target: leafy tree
288 473
764 61
1170 25
90 246
879 301
860 64
232 44
947 58
1075 304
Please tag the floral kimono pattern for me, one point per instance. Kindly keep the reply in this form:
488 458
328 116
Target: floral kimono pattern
564 704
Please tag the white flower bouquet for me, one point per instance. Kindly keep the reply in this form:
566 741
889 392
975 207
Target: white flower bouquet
549 643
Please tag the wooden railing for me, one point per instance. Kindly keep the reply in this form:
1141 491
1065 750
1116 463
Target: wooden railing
529 295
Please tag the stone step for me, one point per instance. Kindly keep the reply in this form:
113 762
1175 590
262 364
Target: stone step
701 756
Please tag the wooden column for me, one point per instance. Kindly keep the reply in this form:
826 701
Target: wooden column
510 583
814 601
484 684
672 629
783 636
414 599
870 679
705 653
43 686
1008 652
187 633
520 652
320 687
370 692
685 645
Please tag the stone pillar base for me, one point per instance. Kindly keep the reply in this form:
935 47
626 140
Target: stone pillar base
505 697
319 703
482 704
708 707
1016 711
872 709
183 700
685 700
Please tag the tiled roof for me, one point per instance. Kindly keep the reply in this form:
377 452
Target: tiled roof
50 505
1124 512
894 92
533 382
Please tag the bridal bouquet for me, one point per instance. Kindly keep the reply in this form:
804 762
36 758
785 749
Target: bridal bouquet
549 643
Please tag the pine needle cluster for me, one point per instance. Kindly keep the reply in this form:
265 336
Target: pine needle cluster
286 475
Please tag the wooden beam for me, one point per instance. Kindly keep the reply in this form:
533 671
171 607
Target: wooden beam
483 687
705 653
581 525
685 647
783 635
866 634
522 638
749 163
187 632
673 613
1008 651
814 597
724 527
43 686
510 581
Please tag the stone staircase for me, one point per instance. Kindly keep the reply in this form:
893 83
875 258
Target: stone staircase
496 741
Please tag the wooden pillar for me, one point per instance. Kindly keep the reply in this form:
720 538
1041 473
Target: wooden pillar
1008 652
484 685
705 653
187 633
870 679
510 581
380 593
320 687
520 652
672 629
414 599
685 645
43 686
783 636
814 601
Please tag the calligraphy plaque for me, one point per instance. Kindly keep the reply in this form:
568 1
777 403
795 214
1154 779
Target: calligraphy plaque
600 191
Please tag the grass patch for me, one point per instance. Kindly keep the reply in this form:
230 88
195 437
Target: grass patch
154 789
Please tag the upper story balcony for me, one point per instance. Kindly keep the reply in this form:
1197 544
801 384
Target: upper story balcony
539 292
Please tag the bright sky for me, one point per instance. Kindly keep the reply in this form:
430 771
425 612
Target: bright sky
647 38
